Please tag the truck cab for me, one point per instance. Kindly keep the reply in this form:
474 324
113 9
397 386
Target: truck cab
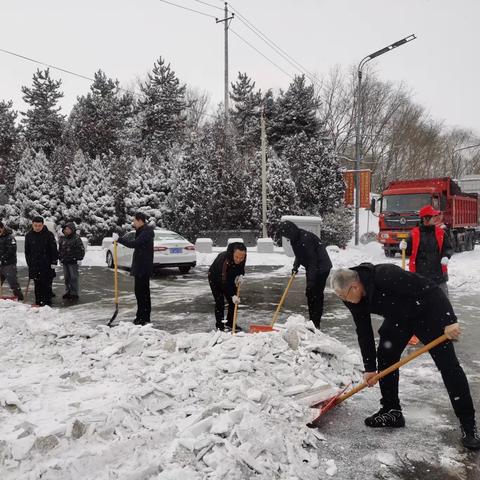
400 204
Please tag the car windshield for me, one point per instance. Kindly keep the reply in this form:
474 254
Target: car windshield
405 203
168 236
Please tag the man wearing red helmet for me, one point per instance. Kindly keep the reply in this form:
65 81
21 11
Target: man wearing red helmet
429 248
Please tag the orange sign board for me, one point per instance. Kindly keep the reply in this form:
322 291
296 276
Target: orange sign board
365 185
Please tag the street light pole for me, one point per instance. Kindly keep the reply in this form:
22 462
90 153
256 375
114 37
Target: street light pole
358 118
459 150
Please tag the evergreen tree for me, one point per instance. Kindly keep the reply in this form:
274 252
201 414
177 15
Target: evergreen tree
245 113
33 193
98 118
337 227
295 112
316 173
194 189
146 192
43 124
9 133
89 202
162 116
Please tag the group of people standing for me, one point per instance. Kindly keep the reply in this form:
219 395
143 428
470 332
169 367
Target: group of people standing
42 256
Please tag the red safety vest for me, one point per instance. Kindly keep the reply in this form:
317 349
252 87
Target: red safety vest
439 234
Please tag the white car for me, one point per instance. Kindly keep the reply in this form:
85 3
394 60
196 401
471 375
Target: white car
169 250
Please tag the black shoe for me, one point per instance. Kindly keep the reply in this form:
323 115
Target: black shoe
74 297
470 438
19 296
220 326
386 417
137 322
67 296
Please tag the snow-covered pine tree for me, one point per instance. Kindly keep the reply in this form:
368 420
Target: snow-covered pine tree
89 200
194 188
245 113
316 173
98 119
42 122
282 196
76 181
337 227
295 112
162 116
9 133
34 192
146 192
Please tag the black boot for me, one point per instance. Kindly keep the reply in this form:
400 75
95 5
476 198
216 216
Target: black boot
386 417
470 438
19 295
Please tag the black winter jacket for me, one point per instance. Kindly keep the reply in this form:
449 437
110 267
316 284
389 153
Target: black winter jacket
142 262
223 270
40 252
70 248
398 295
8 248
309 251
428 255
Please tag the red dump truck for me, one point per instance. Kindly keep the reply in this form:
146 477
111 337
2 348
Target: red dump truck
401 201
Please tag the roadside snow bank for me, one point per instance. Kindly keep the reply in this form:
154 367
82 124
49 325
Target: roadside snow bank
138 403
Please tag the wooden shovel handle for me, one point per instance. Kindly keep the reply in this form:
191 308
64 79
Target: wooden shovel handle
115 270
282 300
394 367
235 312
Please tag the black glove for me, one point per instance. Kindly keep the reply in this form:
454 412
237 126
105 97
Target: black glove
294 270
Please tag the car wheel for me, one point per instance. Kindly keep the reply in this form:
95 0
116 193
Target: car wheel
110 260
184 269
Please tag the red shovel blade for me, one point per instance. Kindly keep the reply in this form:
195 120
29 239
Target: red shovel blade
325 406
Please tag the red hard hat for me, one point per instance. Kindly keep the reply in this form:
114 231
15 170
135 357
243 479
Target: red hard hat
428 211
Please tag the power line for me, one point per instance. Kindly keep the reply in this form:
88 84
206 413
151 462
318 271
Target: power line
208 4
260 53
60 69
187 8
274 46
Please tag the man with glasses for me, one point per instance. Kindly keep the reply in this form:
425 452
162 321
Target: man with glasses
410 304
429 248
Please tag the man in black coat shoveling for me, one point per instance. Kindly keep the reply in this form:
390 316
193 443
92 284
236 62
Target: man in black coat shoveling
41 255
311 253
8 260
70 252
225 275
142 265
410 305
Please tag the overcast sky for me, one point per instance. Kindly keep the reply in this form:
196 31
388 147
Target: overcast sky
124 38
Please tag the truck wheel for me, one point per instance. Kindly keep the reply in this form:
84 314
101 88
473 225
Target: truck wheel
389 253
184 269
110 260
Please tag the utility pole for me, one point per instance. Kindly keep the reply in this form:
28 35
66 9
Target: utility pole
264 178
226 22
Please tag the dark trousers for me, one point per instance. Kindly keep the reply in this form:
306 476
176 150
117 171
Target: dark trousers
70 272
142 294
9 273
43 287
219 298
315 298
394 337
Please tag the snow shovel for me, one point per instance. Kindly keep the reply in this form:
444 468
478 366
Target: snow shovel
328 404
235 312
5 297
269 328
115 276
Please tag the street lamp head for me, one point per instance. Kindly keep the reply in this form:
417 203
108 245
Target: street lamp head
399 43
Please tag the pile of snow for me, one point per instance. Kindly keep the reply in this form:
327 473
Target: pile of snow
135 403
